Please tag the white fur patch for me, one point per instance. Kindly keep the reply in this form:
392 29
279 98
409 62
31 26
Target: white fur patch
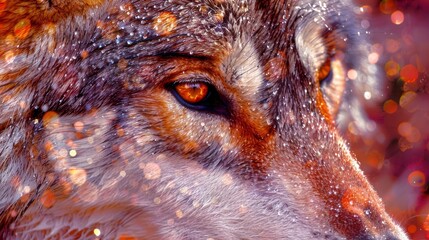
248 74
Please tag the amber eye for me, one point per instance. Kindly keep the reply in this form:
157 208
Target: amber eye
192 92
199 95
324 74
332 82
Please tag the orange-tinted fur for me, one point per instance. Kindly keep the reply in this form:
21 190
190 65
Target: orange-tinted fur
95 140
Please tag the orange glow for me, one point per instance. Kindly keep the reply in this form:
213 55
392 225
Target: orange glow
392 68
412 228
49 146
84 54
411 133
387 6
165 23
9 56
426 224
417 179
22 28
78 176
409 73
192 92
48 199
50 119
390 106
126 237
375 159
354 200
219 16
3 4
397 17
324 71
275 68
323 107
406 99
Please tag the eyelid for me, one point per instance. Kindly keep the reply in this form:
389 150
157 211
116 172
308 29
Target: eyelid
190 79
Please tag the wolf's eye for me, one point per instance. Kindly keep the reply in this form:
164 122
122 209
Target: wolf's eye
192 92
324 74
331 79
199 95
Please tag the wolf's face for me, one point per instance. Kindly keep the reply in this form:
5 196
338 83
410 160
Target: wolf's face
209 119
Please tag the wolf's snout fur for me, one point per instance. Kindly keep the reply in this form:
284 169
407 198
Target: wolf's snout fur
208 119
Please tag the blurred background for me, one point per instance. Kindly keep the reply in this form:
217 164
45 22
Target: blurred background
396 155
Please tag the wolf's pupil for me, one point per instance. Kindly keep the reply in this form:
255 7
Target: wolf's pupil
192 92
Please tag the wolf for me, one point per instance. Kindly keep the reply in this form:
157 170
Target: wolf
183 119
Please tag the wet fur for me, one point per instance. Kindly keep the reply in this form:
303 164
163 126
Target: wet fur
147 167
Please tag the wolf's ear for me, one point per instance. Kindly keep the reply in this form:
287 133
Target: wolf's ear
322 48
336 54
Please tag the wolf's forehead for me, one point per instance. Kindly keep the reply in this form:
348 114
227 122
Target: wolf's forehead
208 25
244 35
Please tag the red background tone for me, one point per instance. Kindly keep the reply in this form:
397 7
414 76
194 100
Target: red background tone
396 155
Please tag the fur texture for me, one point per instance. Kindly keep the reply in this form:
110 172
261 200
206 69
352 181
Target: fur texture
96 141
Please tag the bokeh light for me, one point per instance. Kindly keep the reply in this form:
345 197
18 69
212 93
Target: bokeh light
390 106
22 28
396 155
387 6
97 232
392 69
165 23
48 198
417 179
352 74
397 17
412 228
409 73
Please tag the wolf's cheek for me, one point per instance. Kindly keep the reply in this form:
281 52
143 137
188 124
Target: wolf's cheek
243 140
184 129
